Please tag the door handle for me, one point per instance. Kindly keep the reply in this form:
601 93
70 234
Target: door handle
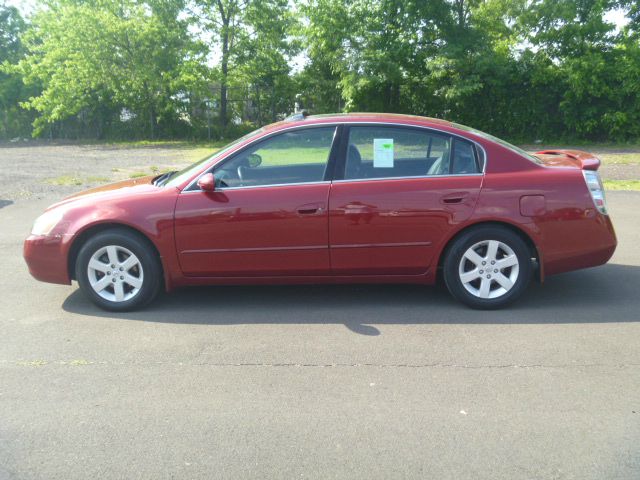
454 198
310 209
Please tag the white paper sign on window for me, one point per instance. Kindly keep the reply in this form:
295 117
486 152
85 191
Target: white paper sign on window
383 152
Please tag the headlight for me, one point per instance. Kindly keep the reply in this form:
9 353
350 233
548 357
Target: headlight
594 184
45 222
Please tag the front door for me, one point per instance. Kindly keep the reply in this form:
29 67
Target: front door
268 215
402 191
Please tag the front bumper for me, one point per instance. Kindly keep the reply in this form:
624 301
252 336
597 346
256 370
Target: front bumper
46 257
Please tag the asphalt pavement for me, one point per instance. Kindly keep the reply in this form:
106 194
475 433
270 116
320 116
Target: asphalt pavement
344 382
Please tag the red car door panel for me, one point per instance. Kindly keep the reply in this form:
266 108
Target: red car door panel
390 226
264 231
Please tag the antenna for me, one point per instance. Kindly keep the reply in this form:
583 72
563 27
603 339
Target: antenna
299 113
297 108
297 117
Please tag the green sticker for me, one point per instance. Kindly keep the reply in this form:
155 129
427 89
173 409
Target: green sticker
383 153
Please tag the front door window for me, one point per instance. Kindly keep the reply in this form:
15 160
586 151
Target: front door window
299 156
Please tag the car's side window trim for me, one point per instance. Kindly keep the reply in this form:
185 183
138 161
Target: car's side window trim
193 187
481 157
452 154
422 177
342 161
336 152
340 142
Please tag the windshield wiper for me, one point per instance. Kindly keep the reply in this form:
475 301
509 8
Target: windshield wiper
162 179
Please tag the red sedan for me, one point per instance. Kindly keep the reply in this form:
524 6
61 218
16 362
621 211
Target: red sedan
332 199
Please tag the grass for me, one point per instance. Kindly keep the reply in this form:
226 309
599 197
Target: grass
622 185
579 144
33 363
619 158
293 155
185 144
318 154
65 180
153 170
138 174
611 154
289 156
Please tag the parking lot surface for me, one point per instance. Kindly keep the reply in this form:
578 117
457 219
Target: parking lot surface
323 382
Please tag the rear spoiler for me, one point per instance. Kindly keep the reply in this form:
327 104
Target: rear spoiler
585 160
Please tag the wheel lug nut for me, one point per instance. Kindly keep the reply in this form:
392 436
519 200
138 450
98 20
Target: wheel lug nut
495 271
488 276
108 273
484 263
121 277
493 263
114 280
113 266
121 269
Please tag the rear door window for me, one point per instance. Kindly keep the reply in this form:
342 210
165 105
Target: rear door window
394 152
464 158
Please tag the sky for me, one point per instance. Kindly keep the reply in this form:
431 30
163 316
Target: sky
617 17
25 6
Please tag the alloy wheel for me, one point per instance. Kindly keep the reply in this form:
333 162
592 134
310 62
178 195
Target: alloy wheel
115 273
489 269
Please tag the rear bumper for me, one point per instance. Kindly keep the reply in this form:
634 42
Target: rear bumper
46 257
592 258
597 245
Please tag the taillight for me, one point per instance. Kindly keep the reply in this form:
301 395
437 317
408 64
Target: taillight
594 184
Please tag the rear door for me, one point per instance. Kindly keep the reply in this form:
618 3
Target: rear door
268 215
398 193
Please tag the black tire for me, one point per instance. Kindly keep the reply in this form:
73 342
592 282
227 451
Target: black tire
141 248
477 235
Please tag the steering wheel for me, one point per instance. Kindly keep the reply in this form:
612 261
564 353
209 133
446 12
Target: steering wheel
221 175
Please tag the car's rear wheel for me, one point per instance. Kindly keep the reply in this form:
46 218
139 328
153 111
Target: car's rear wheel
118 270
488 267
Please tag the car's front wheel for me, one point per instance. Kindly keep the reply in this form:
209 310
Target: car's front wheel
118 270
488 267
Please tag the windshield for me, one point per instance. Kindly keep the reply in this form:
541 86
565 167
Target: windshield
513 148
176 178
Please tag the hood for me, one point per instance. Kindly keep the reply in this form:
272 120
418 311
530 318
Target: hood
568 158
132 182
124 187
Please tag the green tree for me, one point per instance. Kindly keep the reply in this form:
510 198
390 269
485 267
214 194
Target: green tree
13 119
593 62
264 57
97 57
524 69
325 38
255 46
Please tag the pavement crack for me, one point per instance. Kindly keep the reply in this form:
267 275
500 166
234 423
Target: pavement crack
39 363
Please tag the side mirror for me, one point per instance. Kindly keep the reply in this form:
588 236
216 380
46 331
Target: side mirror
207 182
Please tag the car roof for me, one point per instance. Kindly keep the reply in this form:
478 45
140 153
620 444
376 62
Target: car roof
356 117
385 117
